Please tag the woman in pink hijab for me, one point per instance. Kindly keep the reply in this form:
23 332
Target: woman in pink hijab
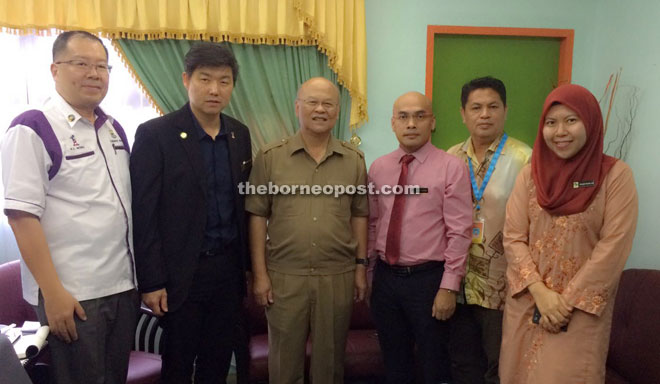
570 223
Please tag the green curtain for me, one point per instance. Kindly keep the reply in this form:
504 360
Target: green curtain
263 98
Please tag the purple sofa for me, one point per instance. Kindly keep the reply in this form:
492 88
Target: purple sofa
634 355
144 367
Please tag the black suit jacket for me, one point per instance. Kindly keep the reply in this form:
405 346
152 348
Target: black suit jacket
169 202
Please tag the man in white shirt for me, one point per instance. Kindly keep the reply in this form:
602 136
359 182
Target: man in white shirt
68 200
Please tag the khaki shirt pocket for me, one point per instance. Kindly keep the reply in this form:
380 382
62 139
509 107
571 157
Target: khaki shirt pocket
288 201
339 203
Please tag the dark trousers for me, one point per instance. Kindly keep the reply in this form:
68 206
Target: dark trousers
242 346
199 336
476 336
105 340
401 307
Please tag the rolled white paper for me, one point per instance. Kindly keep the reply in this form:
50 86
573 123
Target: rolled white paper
28 346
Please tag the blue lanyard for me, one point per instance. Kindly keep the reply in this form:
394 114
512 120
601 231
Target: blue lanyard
479 191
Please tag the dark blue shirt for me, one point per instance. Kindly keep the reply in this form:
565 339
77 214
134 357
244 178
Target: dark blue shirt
221 228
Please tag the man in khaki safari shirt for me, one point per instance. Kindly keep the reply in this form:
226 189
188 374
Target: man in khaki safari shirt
309 247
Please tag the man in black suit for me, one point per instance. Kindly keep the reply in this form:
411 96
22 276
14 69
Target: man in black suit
189 221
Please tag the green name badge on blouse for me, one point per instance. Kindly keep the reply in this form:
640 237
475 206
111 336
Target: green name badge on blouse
478 231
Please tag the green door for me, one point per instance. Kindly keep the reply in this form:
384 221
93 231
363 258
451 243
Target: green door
528 66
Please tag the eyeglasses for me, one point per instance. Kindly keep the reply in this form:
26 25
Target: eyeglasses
82 66
312 103
421 116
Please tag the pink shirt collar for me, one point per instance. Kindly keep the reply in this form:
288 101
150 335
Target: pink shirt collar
420 155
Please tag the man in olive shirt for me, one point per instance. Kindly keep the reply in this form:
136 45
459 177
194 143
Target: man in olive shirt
305 272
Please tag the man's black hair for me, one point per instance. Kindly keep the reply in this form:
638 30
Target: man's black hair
63 38
480 83
206 54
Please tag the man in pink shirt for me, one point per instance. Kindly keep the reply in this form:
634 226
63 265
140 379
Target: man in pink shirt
420 244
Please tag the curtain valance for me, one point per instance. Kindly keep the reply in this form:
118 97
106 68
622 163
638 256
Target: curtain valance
336 27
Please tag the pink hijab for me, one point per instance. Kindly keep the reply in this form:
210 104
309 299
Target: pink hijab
554 177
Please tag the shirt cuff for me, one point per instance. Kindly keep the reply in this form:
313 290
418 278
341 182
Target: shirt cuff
451 281
589 300
519 285
254 210
24 206
151 289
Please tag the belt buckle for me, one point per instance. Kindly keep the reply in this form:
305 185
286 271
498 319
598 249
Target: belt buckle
402 270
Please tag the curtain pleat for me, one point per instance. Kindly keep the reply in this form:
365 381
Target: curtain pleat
264 95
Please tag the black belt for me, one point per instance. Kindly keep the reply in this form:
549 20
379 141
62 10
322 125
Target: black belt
407 270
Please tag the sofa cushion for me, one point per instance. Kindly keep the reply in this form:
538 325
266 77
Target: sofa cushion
259 357
363 357
255 316
361 316
634 352
611 377
144 368
13 309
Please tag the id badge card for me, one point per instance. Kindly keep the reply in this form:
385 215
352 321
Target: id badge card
478 231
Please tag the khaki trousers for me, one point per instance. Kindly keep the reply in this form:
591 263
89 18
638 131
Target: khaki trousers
318 307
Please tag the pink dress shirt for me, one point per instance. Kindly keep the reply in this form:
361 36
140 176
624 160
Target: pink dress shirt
436 224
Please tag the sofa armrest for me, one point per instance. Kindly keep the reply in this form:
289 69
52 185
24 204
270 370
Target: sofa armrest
148 332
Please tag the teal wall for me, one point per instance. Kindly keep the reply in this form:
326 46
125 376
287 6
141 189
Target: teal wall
396 46
629 37
608 34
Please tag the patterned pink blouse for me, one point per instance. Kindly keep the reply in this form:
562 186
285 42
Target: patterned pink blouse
580 256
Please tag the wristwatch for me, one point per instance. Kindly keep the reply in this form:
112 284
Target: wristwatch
364 262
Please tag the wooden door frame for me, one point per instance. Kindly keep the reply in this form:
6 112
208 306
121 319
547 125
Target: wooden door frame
564 35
